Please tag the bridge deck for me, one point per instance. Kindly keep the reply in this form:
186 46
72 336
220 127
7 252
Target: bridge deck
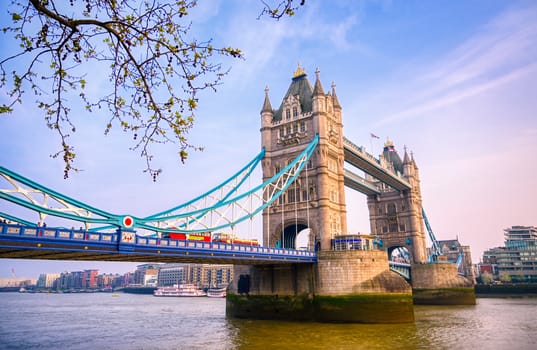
360 184
357 157
24 242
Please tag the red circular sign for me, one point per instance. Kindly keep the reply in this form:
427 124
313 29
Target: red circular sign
128 221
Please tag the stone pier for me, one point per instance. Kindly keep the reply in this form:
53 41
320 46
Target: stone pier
440 284
344 286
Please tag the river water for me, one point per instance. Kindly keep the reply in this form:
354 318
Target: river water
130 321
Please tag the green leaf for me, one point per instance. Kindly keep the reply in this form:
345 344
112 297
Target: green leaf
5 109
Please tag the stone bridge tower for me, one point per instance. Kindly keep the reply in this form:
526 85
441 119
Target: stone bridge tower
343 285
396 216
316 201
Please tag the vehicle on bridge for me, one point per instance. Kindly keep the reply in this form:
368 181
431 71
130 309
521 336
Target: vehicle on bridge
199 237
229 238
218 237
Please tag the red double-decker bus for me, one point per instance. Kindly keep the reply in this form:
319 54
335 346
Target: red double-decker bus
199 237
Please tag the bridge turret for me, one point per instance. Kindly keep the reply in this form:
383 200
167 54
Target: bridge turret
407 164
335 103
267 116
317 200
319 98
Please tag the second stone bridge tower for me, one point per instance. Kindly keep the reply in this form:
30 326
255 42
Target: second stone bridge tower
396 215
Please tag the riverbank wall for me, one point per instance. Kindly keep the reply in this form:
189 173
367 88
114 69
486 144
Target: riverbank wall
506 290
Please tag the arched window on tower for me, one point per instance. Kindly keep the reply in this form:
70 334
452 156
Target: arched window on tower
391 209
291 195
287 114
295 112
281 199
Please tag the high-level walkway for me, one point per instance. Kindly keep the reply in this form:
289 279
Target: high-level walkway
358 157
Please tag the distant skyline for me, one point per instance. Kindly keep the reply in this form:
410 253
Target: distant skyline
453 81
33 268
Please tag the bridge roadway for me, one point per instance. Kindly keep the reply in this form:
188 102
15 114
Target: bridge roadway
31 242
359 158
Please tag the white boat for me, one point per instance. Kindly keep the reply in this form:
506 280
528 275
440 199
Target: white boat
216 292
179 290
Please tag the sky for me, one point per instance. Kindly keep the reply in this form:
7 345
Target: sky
453 81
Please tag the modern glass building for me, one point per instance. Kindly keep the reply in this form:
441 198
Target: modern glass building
518 258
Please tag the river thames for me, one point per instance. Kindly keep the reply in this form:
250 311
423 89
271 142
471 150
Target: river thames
130 321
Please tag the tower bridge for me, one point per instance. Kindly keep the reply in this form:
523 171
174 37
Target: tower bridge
302 193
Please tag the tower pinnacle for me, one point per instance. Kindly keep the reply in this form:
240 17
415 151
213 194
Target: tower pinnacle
318 88
267 107
299 72
334 96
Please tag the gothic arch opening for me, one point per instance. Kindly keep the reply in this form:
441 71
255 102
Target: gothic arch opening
399 254
303 239
288 238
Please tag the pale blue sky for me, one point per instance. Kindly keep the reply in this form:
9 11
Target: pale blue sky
454 81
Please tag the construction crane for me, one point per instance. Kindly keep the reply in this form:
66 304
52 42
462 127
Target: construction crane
435 251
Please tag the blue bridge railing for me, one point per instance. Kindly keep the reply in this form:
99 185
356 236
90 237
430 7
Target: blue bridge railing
21 237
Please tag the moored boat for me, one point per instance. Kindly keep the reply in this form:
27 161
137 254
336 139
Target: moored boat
216 292
179 290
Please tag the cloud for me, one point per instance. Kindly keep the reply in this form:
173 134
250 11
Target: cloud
266 41
502 51
456 95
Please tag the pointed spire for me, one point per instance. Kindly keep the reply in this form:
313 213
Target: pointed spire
318 89
406 158
413 162
267 107
334 96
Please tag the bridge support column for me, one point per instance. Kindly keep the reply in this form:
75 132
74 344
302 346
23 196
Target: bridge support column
440 284
344 286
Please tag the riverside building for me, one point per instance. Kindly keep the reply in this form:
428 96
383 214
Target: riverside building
518 258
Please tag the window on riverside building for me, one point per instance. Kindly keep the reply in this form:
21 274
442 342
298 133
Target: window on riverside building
281 132
295 128
287 114
302 127
295 112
